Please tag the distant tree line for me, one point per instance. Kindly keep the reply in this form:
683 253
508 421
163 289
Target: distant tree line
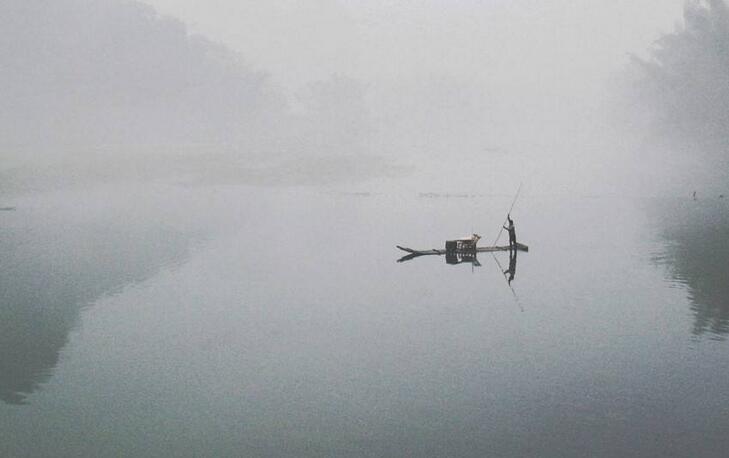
682 88
115 72
79 71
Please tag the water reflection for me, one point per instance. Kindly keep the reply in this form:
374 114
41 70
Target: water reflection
454 258
511 271
49 272
468 257
696 252
451 257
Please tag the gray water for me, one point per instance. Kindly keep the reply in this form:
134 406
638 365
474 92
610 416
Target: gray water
237 321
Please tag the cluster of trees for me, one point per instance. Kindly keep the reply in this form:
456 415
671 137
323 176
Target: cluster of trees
682 88
115 72
86 72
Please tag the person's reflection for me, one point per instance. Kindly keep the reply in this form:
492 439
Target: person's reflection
510 273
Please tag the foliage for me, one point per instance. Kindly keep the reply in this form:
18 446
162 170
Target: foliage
683 86
90 72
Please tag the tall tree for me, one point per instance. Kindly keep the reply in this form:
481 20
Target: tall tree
683 86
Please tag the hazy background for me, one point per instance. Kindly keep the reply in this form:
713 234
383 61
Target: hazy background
331 91
199 202
677 98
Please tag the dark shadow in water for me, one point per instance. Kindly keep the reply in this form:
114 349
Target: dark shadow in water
468 257
471 257
47 275
454 258
696 252
510 273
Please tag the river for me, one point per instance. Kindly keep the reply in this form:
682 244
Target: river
166 320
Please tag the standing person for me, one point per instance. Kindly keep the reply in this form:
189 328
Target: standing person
512 233
694 195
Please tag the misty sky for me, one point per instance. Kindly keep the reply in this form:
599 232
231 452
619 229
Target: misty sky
502 83
524 44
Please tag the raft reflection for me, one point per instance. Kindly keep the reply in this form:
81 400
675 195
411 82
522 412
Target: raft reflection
470 257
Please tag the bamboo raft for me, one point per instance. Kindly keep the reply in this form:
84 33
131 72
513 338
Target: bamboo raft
483 249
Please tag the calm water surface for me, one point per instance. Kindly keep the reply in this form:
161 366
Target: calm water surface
233 321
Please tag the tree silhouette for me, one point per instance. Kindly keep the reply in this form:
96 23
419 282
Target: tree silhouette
683 85
80 72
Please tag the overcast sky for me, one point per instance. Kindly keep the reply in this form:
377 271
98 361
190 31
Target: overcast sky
549 44
542 66
506 82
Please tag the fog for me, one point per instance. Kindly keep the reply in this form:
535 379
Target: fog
283 91
521 89
678 95
84 73
203 204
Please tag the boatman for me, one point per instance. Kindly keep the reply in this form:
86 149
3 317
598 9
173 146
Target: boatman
512 233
